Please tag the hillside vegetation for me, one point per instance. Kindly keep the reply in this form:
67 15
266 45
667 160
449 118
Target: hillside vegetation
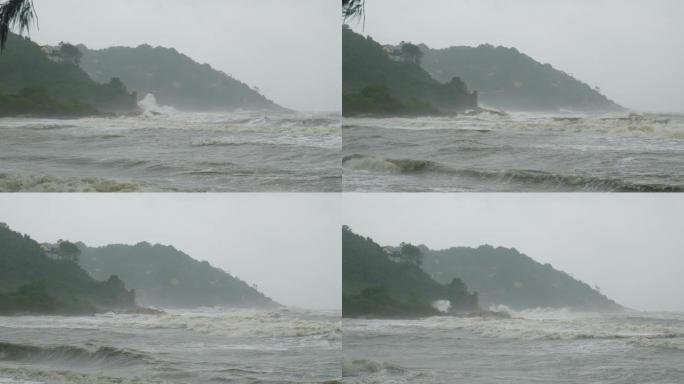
166 277
508 79
33 283
506 276
174 78
32 82
376 286
375 84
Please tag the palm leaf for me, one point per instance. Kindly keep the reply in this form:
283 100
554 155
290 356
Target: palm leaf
18 14
353 9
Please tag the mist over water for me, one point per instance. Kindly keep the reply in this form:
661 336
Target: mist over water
546 346
167 150
519 152
199 346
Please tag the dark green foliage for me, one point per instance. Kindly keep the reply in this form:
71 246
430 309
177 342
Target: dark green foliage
505 276
31 298
510 80
377 101
366 64
376 301
411 52
175 79
70 52
409 253
35 101
13 14
410 291
25 65
166 277
68 251
32 282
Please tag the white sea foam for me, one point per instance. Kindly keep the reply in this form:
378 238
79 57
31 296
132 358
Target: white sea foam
442 305
40 376
15 182
278 151
231 323
150 107
636 327
628 126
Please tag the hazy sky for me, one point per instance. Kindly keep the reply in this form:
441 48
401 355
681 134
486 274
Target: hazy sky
289 49
630 245
288 244
631 49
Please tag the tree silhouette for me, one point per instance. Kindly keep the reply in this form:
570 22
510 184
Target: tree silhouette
70 53
68 251
411 52
15 13
411 254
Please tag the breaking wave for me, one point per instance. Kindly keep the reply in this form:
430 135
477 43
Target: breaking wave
525 177
633 125
13 182
365 366
150 107
70 354
233 323
560 181
641 329
369 163
46 376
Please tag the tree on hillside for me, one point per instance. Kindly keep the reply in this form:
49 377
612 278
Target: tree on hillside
409 253
68 251
13 14
70 53
411 52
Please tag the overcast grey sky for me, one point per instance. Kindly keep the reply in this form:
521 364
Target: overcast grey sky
289 49
630 245
288 244
631 49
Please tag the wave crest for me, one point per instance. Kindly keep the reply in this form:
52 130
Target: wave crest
13 182
369 163
103 355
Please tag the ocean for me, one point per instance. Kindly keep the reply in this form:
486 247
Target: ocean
167 150
201 346
519 152
534 346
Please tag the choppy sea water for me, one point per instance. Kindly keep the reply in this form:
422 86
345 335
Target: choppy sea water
166 150
210 346
536 346
519 152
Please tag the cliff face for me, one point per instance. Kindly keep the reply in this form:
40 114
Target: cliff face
374 82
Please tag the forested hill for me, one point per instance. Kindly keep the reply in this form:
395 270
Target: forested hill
506 276
37 81
174 78
375 83
166 277
33 282
510 80
375 284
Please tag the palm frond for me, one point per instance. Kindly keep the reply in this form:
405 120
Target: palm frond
19 14
353 9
